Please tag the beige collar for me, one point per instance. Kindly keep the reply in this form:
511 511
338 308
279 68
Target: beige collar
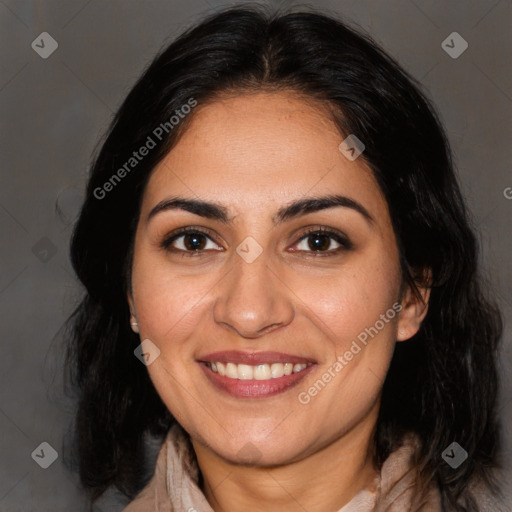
174 488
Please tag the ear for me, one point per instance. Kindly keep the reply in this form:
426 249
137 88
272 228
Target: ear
414 308
133 316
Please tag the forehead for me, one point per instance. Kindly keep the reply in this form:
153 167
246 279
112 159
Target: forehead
258 151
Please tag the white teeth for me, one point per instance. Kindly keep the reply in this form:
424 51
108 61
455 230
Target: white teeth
245 372
259 372
262 372
277 370
231 371
299 367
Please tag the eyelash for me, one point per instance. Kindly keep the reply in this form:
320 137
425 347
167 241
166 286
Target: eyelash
337 237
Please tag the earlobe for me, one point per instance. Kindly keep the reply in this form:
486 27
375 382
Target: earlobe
134 324
414 310
133 318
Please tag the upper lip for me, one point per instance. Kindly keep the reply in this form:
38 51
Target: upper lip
253 358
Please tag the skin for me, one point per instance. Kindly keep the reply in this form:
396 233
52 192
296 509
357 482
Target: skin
253 154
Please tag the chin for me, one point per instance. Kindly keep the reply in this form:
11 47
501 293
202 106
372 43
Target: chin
258 450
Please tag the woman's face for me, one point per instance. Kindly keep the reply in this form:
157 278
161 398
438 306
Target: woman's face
266 293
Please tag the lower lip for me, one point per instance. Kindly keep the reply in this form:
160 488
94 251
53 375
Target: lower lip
254 388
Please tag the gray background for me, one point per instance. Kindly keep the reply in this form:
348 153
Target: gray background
54 110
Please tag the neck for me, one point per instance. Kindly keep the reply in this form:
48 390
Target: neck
324 481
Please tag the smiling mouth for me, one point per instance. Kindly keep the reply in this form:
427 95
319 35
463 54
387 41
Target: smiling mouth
255 372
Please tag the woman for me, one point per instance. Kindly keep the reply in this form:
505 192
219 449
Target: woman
282 285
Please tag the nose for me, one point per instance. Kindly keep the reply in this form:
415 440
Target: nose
252 300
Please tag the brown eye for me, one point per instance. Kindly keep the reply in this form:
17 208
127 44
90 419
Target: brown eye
321 240
189 240
194 242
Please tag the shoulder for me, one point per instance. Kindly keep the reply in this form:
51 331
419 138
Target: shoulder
399 477
489 500
154 495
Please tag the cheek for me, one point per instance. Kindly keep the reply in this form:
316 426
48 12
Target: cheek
352 299
169 309
355 311
166 301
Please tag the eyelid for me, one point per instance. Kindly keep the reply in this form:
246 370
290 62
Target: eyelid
177 233
336 235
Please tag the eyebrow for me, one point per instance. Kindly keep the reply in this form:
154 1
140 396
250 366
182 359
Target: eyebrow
295 209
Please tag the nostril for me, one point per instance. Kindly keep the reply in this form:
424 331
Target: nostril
269 328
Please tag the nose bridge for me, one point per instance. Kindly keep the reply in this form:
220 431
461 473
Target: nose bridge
251 300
